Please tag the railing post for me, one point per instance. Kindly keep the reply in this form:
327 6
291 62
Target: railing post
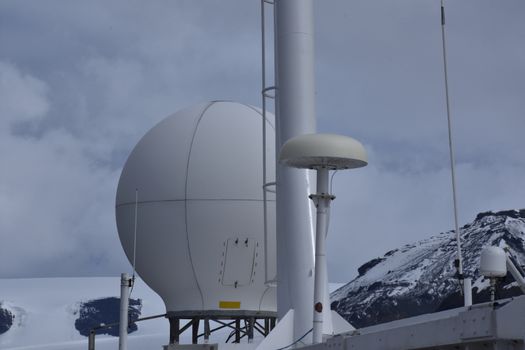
91 340
125 283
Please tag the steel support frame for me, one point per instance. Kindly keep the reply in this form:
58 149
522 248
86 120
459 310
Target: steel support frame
241 326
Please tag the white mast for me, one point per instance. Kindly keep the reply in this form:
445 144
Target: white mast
295 115
125 283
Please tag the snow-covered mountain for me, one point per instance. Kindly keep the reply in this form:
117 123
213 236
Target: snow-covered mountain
420 278
57 313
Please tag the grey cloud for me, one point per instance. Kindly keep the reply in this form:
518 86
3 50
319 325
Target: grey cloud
95 76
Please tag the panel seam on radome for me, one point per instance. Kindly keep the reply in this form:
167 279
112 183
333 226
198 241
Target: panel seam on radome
186 203
260 113
195 200
262 297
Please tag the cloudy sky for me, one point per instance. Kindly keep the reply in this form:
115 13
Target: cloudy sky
82 81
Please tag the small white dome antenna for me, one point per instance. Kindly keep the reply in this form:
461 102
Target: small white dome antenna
493 265
322 152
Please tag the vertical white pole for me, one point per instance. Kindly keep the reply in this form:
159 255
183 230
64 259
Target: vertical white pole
295 115
467 289
322 200
492 289
125 282
452 160
515 272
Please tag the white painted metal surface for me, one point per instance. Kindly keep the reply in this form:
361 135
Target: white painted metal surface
200 211
482 326
322 200
313 151
340 325
515 272
467 291
281 337
125 284
295 112
493 262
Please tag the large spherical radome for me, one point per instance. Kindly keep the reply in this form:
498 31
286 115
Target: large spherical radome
200 238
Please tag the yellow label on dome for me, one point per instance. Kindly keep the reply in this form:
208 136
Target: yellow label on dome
229 304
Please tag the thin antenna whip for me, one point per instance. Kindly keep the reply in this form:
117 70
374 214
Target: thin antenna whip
135 232
134 241
459 264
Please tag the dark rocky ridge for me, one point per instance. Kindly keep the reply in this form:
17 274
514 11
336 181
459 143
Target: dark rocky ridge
105 310
6 320
420 278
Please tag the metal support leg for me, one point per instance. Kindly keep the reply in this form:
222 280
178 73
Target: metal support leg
206 330
238 330
195 331
174 330
251 322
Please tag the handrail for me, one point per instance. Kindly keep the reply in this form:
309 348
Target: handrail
93 331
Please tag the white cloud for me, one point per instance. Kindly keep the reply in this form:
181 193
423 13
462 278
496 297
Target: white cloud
22 97
55 204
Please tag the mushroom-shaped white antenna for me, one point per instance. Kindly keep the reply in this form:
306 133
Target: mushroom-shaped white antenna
330 151
322 152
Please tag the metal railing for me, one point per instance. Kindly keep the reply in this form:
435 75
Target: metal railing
93 331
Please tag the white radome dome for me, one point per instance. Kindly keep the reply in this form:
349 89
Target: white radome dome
200 239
